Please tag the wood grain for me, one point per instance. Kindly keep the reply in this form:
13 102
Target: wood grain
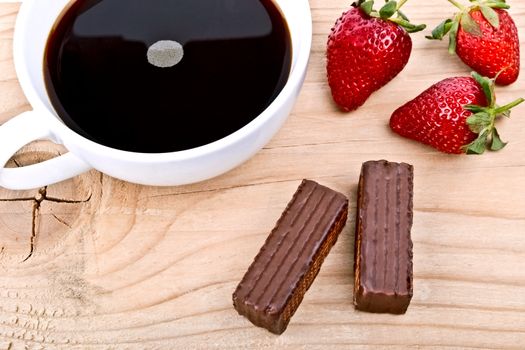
96 263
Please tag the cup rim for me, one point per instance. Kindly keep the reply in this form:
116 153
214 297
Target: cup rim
300 58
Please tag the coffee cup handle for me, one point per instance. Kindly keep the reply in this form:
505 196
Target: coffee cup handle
20 131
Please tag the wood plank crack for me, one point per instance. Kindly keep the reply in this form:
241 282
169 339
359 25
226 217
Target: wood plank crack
40 197
36 208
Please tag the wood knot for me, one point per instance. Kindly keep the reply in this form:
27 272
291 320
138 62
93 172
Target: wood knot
46 216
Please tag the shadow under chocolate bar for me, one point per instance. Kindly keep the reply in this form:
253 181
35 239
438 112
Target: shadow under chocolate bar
383 244
287 264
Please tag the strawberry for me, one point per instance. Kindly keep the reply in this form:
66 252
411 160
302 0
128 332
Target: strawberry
456 115
366 50
485 37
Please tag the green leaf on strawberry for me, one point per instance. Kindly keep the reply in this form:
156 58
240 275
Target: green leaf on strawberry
367 6
479 145
483 121
497 144
473 108
452 36
402 15
387 12
498 4
488 87
441 30
467 22
469 25
490 15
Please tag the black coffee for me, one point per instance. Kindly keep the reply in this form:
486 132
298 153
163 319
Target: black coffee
159 76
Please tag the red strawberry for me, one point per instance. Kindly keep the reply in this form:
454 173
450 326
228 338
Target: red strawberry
485 37
456 115
366 50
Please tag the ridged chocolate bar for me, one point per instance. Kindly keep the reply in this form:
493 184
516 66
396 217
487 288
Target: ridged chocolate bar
287 264
383 246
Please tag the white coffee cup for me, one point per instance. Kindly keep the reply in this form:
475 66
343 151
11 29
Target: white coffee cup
34 23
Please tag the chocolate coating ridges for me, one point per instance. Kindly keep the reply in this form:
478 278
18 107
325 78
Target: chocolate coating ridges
383 247
289 261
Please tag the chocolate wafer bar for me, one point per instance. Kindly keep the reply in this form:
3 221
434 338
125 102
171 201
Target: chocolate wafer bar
383 245
287 264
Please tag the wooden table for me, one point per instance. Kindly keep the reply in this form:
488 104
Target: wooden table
97 263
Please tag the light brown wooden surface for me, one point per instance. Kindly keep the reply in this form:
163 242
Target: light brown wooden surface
96 263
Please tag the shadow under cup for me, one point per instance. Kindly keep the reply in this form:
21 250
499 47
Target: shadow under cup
162 76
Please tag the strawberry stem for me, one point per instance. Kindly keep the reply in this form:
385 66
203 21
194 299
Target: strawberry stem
387 12
508 106
458 5
401 3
